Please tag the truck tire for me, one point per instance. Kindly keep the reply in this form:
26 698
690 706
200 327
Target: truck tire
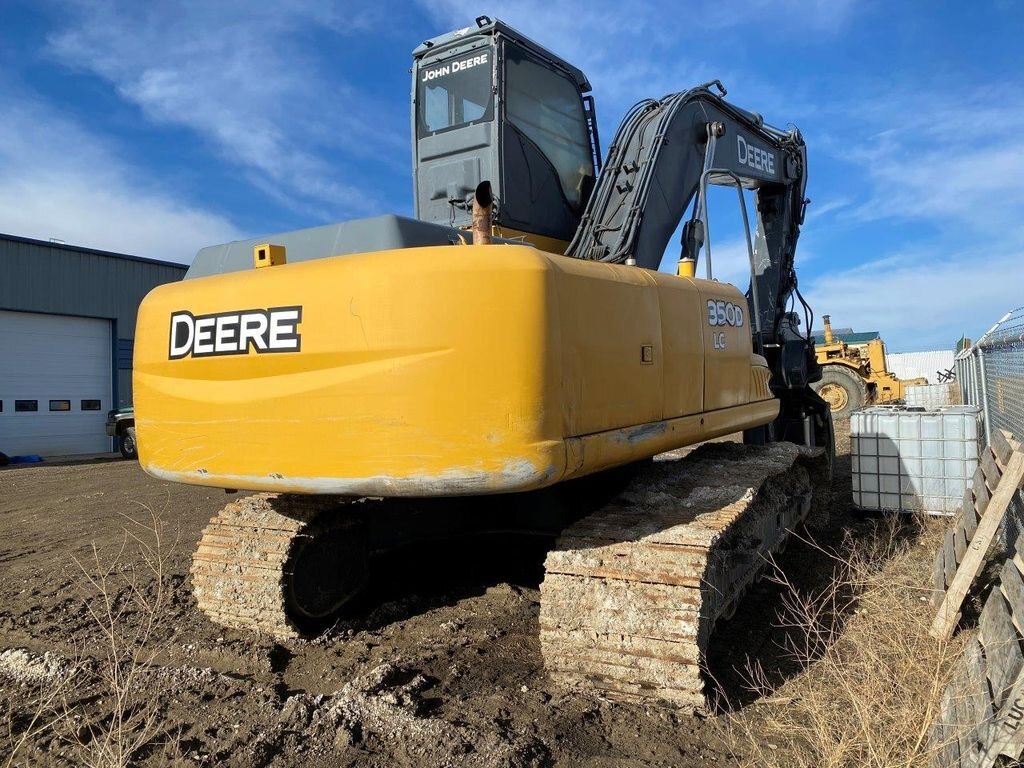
842 389
126 443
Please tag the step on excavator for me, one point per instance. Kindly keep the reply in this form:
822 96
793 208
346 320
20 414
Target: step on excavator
488 365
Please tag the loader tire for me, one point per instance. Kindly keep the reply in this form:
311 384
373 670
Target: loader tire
842 389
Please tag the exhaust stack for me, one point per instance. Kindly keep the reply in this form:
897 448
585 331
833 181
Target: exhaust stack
482 202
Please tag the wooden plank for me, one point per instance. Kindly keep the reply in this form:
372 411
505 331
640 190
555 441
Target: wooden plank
978 691
1001 446
1006 737
938 577
1012 586
981 494
949 612
960 540
938 749
998 637
992 472
965 735
970 519
937 741
1018 553
948 754
949 747
949 556
968 502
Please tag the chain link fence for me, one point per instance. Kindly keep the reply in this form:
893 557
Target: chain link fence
991 374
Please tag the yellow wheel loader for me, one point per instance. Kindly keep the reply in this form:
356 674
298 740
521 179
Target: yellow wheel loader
852 378
386 381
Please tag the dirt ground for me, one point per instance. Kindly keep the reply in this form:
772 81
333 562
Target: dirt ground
443 667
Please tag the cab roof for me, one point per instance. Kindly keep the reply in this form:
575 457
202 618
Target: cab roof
487 27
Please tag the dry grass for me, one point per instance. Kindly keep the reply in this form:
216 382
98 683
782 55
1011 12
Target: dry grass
43 710
872 675
98 705
128 602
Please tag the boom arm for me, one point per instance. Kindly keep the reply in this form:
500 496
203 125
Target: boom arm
663 154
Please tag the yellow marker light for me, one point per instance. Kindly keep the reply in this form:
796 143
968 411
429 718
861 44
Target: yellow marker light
268 255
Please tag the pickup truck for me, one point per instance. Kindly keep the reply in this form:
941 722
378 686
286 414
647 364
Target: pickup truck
121 424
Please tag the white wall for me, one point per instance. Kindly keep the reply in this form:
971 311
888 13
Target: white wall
911 365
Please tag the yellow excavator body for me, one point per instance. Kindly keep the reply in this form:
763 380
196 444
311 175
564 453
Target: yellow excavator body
436 371
383 382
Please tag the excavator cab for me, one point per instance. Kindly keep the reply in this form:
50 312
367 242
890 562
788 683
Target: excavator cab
490 104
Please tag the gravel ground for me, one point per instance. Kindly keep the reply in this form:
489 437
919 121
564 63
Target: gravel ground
443 666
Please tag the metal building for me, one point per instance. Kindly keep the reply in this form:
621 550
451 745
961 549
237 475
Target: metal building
912 365
67 329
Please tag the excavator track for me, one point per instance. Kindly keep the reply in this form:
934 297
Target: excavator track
267 562
631 592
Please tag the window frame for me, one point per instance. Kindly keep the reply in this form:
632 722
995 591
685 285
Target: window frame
568 79
422 130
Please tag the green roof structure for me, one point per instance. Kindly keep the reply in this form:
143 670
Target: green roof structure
848 335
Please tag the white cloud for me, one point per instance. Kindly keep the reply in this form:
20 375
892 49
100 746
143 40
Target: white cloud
730 262
62 182
938 175
597 37
246 77
818 210
644 48
951 158
926 299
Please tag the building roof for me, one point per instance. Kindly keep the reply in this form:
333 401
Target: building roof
92 251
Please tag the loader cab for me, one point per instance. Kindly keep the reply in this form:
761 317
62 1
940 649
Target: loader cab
489 104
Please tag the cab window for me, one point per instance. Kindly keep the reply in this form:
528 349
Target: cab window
545 105
454 92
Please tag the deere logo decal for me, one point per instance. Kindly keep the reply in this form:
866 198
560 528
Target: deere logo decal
754 156
453 66
275 329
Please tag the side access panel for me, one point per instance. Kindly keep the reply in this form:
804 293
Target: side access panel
725 326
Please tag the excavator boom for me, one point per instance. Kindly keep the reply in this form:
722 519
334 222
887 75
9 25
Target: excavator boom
663 157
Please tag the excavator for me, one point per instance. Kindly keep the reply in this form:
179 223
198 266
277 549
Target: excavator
487 365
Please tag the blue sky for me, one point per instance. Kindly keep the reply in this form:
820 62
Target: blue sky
156 128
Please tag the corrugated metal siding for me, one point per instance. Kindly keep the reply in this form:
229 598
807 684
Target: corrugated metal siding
124 387
911 365
53 278
125 348
43 277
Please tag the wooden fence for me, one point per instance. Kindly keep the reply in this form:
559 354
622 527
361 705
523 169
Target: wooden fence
981 713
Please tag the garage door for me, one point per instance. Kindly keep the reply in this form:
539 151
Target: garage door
55 385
